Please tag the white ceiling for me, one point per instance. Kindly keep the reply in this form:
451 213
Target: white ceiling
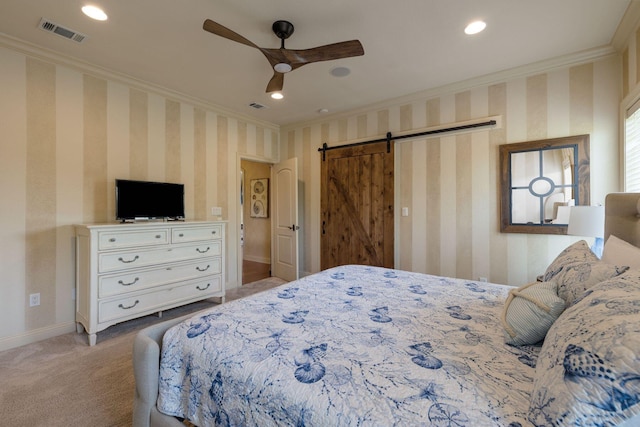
410 45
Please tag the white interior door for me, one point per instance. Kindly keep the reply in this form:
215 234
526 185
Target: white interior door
284 260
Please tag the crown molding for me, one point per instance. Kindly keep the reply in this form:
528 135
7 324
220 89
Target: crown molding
628 24
577 58
56 58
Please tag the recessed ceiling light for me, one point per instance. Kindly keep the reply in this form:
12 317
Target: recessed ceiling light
277 95
94 12
475 27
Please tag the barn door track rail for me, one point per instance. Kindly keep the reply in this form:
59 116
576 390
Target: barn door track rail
390 137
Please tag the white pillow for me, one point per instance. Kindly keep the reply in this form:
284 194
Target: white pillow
618 252
529 312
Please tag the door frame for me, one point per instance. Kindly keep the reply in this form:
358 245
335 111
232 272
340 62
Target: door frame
240 251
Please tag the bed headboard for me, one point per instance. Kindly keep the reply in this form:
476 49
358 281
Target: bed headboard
622 217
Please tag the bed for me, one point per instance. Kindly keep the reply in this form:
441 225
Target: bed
359 345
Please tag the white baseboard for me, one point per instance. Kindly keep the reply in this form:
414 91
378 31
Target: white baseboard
36 335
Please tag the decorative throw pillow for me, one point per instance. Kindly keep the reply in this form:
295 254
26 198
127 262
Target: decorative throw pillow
576 269
618 252
588 369
529 312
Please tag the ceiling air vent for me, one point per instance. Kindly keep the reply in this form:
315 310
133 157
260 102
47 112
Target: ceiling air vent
52 27
257 106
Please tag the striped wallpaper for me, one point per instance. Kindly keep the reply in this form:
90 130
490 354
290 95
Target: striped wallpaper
66 136
67 133
450 183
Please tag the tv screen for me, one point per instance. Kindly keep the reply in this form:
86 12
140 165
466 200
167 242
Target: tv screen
149 200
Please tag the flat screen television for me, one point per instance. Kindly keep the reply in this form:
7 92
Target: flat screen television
149 200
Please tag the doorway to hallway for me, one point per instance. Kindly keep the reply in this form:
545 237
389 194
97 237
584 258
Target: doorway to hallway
255 226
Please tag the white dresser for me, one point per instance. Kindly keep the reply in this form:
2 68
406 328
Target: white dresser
124 271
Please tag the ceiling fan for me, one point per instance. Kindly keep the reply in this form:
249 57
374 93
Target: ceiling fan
284 60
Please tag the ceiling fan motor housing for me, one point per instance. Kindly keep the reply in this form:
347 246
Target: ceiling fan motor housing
282 29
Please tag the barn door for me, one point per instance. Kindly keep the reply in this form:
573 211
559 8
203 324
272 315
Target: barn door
357 206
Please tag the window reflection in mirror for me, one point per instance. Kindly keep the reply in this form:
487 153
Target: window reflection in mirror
540 180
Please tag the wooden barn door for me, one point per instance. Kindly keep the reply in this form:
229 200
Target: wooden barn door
357 206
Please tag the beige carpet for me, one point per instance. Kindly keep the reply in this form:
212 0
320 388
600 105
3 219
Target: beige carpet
64 382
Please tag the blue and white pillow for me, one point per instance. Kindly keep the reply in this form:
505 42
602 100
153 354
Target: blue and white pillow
588 370
529 312
576 269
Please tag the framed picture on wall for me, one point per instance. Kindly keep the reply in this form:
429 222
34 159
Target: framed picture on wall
260 198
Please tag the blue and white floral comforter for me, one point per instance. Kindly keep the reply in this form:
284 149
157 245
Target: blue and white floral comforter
350 346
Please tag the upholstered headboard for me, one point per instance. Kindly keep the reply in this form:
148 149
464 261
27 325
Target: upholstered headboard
622 217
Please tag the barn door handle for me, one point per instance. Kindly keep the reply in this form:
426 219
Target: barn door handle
323 224
294 227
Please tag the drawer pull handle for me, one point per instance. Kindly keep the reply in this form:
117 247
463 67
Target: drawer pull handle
213 232
203 289
203 251
130 261
158 236
113 239
181 235
203 269
130 283
131 306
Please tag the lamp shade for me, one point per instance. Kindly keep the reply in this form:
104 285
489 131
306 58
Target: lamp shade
586 221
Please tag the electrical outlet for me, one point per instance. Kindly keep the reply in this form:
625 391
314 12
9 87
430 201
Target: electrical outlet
482 279
216 211
34 300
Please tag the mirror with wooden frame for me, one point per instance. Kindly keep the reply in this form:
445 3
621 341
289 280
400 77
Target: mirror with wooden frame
539 180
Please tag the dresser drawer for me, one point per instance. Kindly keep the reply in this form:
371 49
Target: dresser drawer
131 239
143 279
115 261
126 307
195 234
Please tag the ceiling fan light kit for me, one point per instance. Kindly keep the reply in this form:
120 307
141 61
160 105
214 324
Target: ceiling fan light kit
282 67
284 60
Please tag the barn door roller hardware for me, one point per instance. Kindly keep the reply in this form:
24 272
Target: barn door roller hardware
389 137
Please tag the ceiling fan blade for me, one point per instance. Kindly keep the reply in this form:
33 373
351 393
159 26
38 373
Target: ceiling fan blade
222 31
328 52
299 57
276 83
284 60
